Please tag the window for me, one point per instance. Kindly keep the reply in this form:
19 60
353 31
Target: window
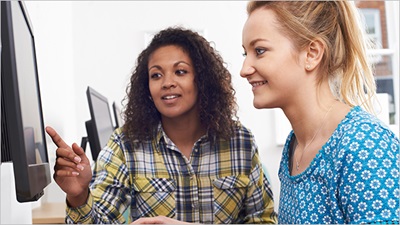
381 24
373 25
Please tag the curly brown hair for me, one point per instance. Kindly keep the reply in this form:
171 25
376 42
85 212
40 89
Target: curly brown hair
217 103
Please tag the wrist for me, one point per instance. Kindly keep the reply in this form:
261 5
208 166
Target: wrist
77 200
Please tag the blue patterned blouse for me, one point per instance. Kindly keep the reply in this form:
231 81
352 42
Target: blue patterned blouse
353 179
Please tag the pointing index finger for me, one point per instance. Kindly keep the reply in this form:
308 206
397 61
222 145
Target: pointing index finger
56 138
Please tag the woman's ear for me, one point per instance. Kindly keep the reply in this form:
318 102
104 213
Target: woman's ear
315 51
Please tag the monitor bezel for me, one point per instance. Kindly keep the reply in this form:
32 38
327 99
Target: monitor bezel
117 115
30 180
91 125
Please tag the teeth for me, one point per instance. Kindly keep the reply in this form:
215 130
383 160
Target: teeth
170 97
255 84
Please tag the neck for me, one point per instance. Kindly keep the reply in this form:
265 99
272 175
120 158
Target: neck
184 133
306 113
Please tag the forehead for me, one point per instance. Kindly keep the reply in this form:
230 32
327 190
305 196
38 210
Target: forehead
169 52
261 22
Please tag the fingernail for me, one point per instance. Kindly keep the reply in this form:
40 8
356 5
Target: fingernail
77 159
80 167
75 173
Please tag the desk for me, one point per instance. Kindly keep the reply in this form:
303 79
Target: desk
49 213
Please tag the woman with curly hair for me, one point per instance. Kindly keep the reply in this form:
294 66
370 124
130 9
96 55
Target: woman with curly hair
182 156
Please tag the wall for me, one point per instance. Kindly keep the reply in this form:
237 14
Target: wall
95 43
106 38
12 212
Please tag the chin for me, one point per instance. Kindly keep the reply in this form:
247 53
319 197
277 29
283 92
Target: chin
258 105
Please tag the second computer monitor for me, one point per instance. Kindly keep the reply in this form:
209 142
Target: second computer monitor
100 127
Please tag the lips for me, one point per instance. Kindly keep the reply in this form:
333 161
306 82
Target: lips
170 97
258 83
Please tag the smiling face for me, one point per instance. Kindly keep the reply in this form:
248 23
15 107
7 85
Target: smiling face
271 66
171 83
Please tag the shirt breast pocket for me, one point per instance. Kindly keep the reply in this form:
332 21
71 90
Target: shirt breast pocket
229 194
153 197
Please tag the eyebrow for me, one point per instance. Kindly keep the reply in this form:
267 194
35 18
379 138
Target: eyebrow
175 64
257 40
155 66
179 62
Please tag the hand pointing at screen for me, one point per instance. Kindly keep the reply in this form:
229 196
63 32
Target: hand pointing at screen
72 170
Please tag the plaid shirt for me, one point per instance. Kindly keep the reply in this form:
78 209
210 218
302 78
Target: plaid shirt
220 183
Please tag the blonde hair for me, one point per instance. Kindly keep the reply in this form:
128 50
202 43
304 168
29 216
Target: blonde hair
338 25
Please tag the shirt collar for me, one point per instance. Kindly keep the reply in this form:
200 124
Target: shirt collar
161 137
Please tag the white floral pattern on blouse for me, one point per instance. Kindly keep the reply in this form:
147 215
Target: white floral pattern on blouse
353 179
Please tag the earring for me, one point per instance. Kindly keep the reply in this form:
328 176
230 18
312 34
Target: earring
308 67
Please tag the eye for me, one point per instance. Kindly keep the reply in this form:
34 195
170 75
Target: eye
155 75
180 72
260 51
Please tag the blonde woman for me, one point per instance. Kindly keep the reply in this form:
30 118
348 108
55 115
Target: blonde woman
340 164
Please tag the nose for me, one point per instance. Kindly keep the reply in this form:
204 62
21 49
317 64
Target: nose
168 82
247 68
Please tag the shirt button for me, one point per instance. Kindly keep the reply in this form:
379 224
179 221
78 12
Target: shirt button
196 150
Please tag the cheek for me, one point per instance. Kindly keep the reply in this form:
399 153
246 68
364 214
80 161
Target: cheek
190 88
152 89
195 93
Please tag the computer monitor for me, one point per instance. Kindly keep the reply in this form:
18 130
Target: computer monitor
119 121
22 128
100 127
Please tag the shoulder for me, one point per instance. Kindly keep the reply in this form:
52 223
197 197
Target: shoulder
120 142
242 140
360 135
239 130
358 117
118 137
113 152
364 136
361 125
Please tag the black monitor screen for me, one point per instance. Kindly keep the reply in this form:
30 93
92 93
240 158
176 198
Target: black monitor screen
29 98
22 119
100 127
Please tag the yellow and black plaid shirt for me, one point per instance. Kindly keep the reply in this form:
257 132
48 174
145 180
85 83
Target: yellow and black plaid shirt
220 183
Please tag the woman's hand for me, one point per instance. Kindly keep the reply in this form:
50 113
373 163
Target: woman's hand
72 171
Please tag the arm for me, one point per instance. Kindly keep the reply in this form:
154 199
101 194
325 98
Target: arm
109 194
259 203
368 183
